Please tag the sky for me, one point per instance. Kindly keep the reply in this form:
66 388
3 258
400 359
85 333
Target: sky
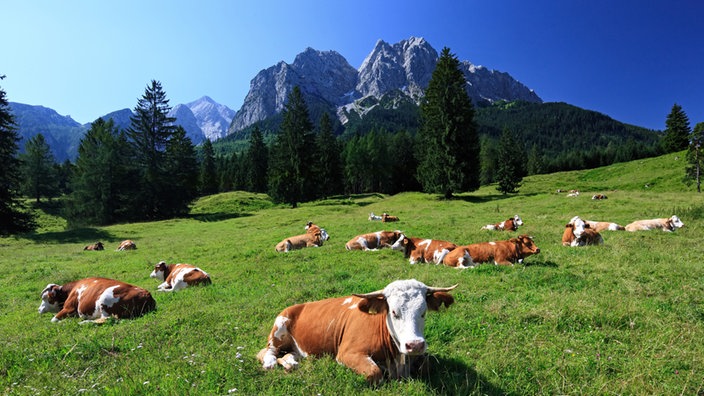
629 59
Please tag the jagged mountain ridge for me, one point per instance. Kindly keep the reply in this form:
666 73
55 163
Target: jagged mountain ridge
327 79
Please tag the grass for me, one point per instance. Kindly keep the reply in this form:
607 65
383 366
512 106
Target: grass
623 318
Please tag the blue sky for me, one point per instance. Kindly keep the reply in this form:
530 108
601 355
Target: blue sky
631 60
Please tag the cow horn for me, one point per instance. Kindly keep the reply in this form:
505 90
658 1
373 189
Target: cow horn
441 289
370 296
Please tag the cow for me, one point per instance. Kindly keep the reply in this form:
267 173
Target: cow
179 276
386 218
127 245
599 197
506 252
573 193
579 233
600 226
373 334
668 225
314 237
95 246
373 241
96 300
419 250
373 217
511 224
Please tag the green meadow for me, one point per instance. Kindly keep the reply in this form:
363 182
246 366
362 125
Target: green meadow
624 318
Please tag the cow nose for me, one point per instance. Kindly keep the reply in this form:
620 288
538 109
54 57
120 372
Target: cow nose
537 250
417 346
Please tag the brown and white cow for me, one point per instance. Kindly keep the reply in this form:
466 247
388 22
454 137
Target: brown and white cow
599 197
579 233
373 240
600 226
510 224
95 246
387 218
95 300
373 217
506 252
373 334
179 276
127 245
668 225
420 250
314 237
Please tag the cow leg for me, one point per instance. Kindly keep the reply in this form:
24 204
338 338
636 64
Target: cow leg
289 361
363 364
165 287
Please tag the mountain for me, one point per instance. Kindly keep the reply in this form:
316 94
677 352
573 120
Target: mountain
329 83
62 133
185 118
121 118
213 118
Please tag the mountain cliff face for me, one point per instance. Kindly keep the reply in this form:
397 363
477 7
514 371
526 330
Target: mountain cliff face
61 133
327 79
212 118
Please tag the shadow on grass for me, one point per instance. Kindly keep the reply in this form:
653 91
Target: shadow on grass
453 377
217 216
488 198
73 236
547 264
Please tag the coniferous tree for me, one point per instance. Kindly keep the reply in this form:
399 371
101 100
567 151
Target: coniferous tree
182 165
448 143
534 165
328 164
208 173
695 157
13 215
487 158
150 130
291 155
257 162
101 182
39 178
403 164
677 130
510 170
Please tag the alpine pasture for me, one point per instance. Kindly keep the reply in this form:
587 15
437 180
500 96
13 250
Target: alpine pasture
626 317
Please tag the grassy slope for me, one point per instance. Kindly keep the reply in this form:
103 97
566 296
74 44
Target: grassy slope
623 318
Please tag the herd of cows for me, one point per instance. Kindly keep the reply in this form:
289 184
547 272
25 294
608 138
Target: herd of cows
374 333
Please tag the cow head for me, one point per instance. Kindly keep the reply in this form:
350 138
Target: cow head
160 271
53 298
525 246
676 222
403 244
405 302
517 220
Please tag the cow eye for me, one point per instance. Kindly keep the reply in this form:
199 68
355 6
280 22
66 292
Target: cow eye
396 315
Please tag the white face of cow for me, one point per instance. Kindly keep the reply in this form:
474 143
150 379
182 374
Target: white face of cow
517 220
324 235
398 245
406 316
676 222
159 272
49 304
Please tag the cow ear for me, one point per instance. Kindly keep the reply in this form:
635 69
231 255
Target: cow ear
586 225
437 299
372 306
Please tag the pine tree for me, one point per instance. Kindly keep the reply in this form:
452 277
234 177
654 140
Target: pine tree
290 178
677 130
448 143
101 179
487 158
535 164
39 178
13 215
208 174
695 157
328 166
257 162
150 130
510 170
182 165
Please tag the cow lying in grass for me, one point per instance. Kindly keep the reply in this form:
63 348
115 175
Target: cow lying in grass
668 225
421 250
127 245
510 224
373 241
373 333
579 233
95 300
507 252
314 237
96 246
179 276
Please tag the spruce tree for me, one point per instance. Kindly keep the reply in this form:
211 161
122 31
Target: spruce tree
535 164
328 164
13 215
38 174
291 158
257 162
150 130
208 173
677 130
695 157
448 143
101 181
510 169
182 165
